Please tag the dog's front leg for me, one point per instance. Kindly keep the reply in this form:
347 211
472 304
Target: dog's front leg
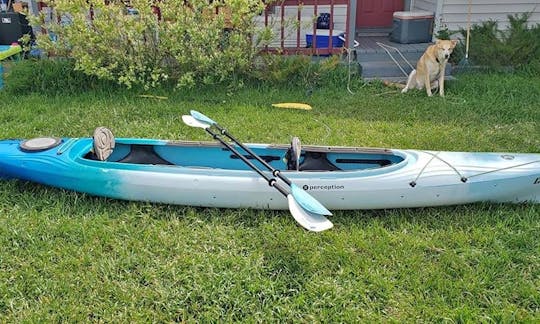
427 83
441 80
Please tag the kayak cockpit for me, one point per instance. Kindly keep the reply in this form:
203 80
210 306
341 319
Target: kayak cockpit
213 155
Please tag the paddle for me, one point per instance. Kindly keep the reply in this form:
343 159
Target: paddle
304 199
308 219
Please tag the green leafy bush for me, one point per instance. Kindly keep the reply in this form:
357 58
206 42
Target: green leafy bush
517 47
302 70
199 43
192 45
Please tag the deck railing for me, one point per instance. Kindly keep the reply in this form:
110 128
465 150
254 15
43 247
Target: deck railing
294 21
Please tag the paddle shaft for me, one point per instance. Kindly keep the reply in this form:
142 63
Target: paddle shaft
275 172
272 182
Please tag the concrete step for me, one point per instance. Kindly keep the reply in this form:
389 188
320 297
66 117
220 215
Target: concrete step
382 69
388 69
382 65
411 57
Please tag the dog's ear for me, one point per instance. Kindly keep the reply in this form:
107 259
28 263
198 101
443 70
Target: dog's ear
437 42
454 42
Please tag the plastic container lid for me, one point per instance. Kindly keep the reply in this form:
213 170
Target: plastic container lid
413 14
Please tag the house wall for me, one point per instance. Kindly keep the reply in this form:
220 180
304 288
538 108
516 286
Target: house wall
452 14
307 20
425 5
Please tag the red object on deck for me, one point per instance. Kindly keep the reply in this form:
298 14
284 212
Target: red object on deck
376 13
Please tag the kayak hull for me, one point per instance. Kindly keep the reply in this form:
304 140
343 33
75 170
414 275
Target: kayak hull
204 174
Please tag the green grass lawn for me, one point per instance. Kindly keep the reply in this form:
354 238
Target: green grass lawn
70 257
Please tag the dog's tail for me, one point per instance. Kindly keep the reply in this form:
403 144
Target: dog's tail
393 84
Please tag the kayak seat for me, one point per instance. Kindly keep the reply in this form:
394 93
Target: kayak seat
292 157
143 154
317 161
103 143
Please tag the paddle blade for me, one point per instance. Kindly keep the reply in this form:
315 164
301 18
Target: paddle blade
308 220
292 105
202 118
308 202
190 121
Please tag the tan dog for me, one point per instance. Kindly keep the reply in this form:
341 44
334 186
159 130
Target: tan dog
430 67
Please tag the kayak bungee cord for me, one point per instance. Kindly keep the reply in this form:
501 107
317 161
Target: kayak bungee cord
462 177
501 169
436 156
413 183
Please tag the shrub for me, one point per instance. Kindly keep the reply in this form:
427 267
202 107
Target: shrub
299 70
517 47
201 42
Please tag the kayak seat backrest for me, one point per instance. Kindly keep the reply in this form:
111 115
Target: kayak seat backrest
143 154
316 161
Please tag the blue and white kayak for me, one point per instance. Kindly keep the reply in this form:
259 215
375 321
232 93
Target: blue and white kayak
207 174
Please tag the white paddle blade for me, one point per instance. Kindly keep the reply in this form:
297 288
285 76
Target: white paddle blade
308 220
190 121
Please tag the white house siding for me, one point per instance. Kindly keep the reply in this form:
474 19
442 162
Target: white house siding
425 5
452 14
307 20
